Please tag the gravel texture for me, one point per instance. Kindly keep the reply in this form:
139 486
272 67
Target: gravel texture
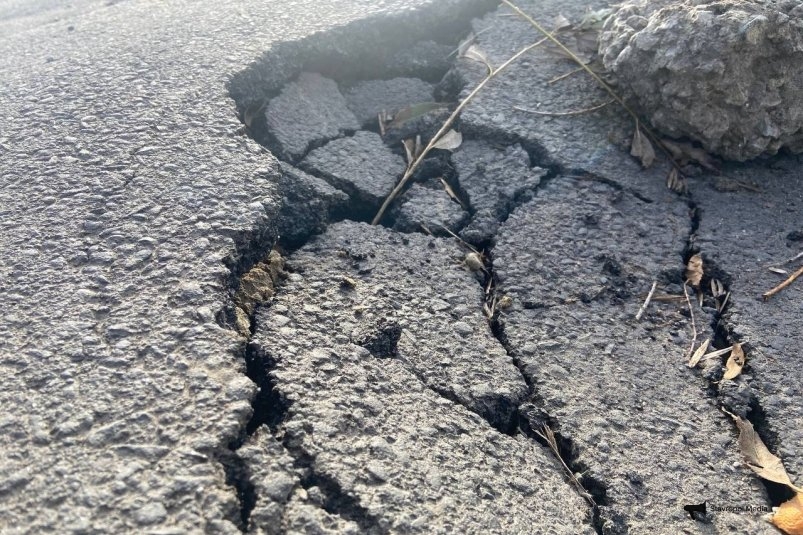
404 437
577 262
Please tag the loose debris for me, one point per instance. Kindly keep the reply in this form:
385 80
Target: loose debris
784 284
642 149
698 355
789 516
695 359
450 141
694 271
758 458
676 182
640 312
451 193
446 127
691 314
735 363
684 153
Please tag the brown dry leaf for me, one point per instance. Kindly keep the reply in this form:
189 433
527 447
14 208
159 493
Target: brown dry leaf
451 193
735 363
694 271
409 150
414 111
789 516
758 458
474 53
642 149
449 141
695 358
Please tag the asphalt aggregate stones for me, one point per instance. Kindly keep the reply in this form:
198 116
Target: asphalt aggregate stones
202 333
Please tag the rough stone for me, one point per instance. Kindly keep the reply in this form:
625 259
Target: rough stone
577 262
493 179
368 98
429 207
732 82
308 203
308 112
361 165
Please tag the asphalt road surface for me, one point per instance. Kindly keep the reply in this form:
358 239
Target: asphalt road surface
163 372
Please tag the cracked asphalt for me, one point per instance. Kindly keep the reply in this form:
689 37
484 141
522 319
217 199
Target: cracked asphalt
164 372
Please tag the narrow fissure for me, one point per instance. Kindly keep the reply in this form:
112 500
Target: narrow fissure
722 336
530 417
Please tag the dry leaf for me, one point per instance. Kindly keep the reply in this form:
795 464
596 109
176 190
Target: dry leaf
642 149
695 358
735 363
717 288
409 150
789 516
779 271
676 182
694 271
414 111
450 192
449 141
474 53
561 22
758 458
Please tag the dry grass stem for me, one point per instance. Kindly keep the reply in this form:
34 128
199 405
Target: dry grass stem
693 322
548 436
564 113
784 284
564 76
445 128
646 301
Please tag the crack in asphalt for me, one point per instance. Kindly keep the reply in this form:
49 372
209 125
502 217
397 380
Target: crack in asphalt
724 335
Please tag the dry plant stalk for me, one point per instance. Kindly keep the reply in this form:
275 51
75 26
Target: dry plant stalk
408 174
784 284
548 435
643 308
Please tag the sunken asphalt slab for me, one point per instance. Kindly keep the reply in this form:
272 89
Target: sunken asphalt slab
131 201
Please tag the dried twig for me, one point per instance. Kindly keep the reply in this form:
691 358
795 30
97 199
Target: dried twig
784 284
548 436
693 322
564 113
446 125
562 76
646 301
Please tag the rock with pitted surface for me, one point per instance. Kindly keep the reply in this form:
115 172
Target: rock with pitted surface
726 73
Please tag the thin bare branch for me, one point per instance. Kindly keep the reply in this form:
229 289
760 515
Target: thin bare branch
784 284
646 301
446 125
